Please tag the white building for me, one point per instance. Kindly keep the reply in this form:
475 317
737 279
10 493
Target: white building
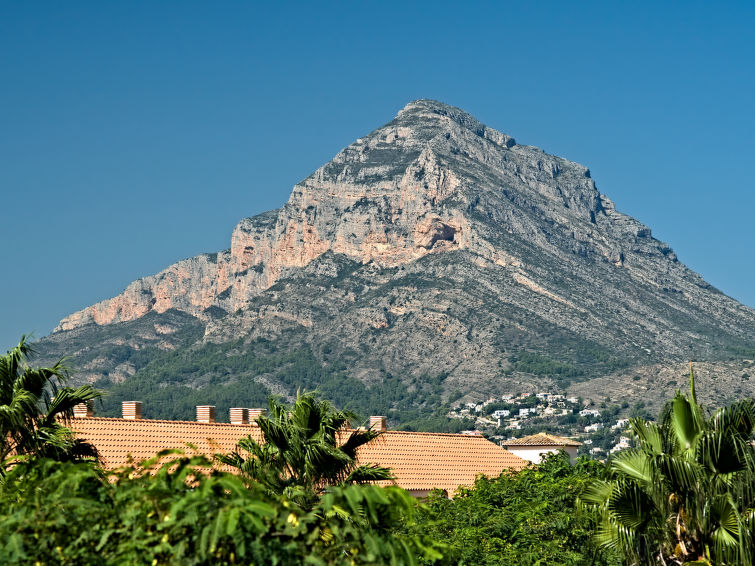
595 427
621 423
621 445
589 413
533 447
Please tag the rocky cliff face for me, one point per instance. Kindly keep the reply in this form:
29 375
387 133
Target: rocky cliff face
416 186
437 244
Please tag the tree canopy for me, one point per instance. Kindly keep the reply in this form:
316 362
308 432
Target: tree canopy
686 493
528 517
307 446
33 401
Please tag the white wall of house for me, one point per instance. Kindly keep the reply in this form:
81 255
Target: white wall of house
534 454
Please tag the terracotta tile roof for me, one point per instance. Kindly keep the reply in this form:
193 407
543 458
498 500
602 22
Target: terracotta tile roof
542 439
426 460
419 460
117 439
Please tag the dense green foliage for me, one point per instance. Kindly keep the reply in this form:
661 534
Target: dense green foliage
32 400
686 493
171 383
538 364
305 449
526 518
68 513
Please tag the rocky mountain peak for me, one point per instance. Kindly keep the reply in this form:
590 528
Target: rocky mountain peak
434 181
433 257
426 111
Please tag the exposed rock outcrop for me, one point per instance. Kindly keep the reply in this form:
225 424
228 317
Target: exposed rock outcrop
437 245
408 189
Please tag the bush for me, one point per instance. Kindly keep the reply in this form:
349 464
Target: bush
524 518
177 513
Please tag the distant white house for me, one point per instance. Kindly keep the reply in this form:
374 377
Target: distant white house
621 423
533 447
595 427
574 400
623 443
589 413
501 413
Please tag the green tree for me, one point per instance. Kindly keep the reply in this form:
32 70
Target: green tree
686 493
33 401
176 513
306 448
524 518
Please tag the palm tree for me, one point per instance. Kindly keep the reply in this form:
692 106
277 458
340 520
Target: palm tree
33 402
686 493
306 448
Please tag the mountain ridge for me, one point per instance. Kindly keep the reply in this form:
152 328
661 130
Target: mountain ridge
436 245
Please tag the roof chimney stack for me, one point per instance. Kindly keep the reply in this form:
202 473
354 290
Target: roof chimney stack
83 410
205 413
239 416
254 414
131 410
377 423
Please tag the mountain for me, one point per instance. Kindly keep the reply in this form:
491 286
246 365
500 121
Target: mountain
431 260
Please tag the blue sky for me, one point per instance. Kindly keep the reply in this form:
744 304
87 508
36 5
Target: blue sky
135 134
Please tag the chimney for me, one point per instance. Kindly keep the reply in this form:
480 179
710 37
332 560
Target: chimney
254 414
205 413
378 424
131 410
83 410
239 416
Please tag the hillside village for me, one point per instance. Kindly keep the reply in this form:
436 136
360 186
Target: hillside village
601 429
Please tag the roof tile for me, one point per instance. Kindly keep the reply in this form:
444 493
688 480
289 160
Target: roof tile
419 460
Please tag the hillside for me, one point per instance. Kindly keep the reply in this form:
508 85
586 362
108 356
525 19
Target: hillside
432 260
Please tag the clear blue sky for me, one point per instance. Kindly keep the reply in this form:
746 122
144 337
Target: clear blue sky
134 134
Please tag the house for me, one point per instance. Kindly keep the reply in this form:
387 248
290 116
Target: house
589 413
501 413
621 423
595 427
533 447
622 444
421 461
